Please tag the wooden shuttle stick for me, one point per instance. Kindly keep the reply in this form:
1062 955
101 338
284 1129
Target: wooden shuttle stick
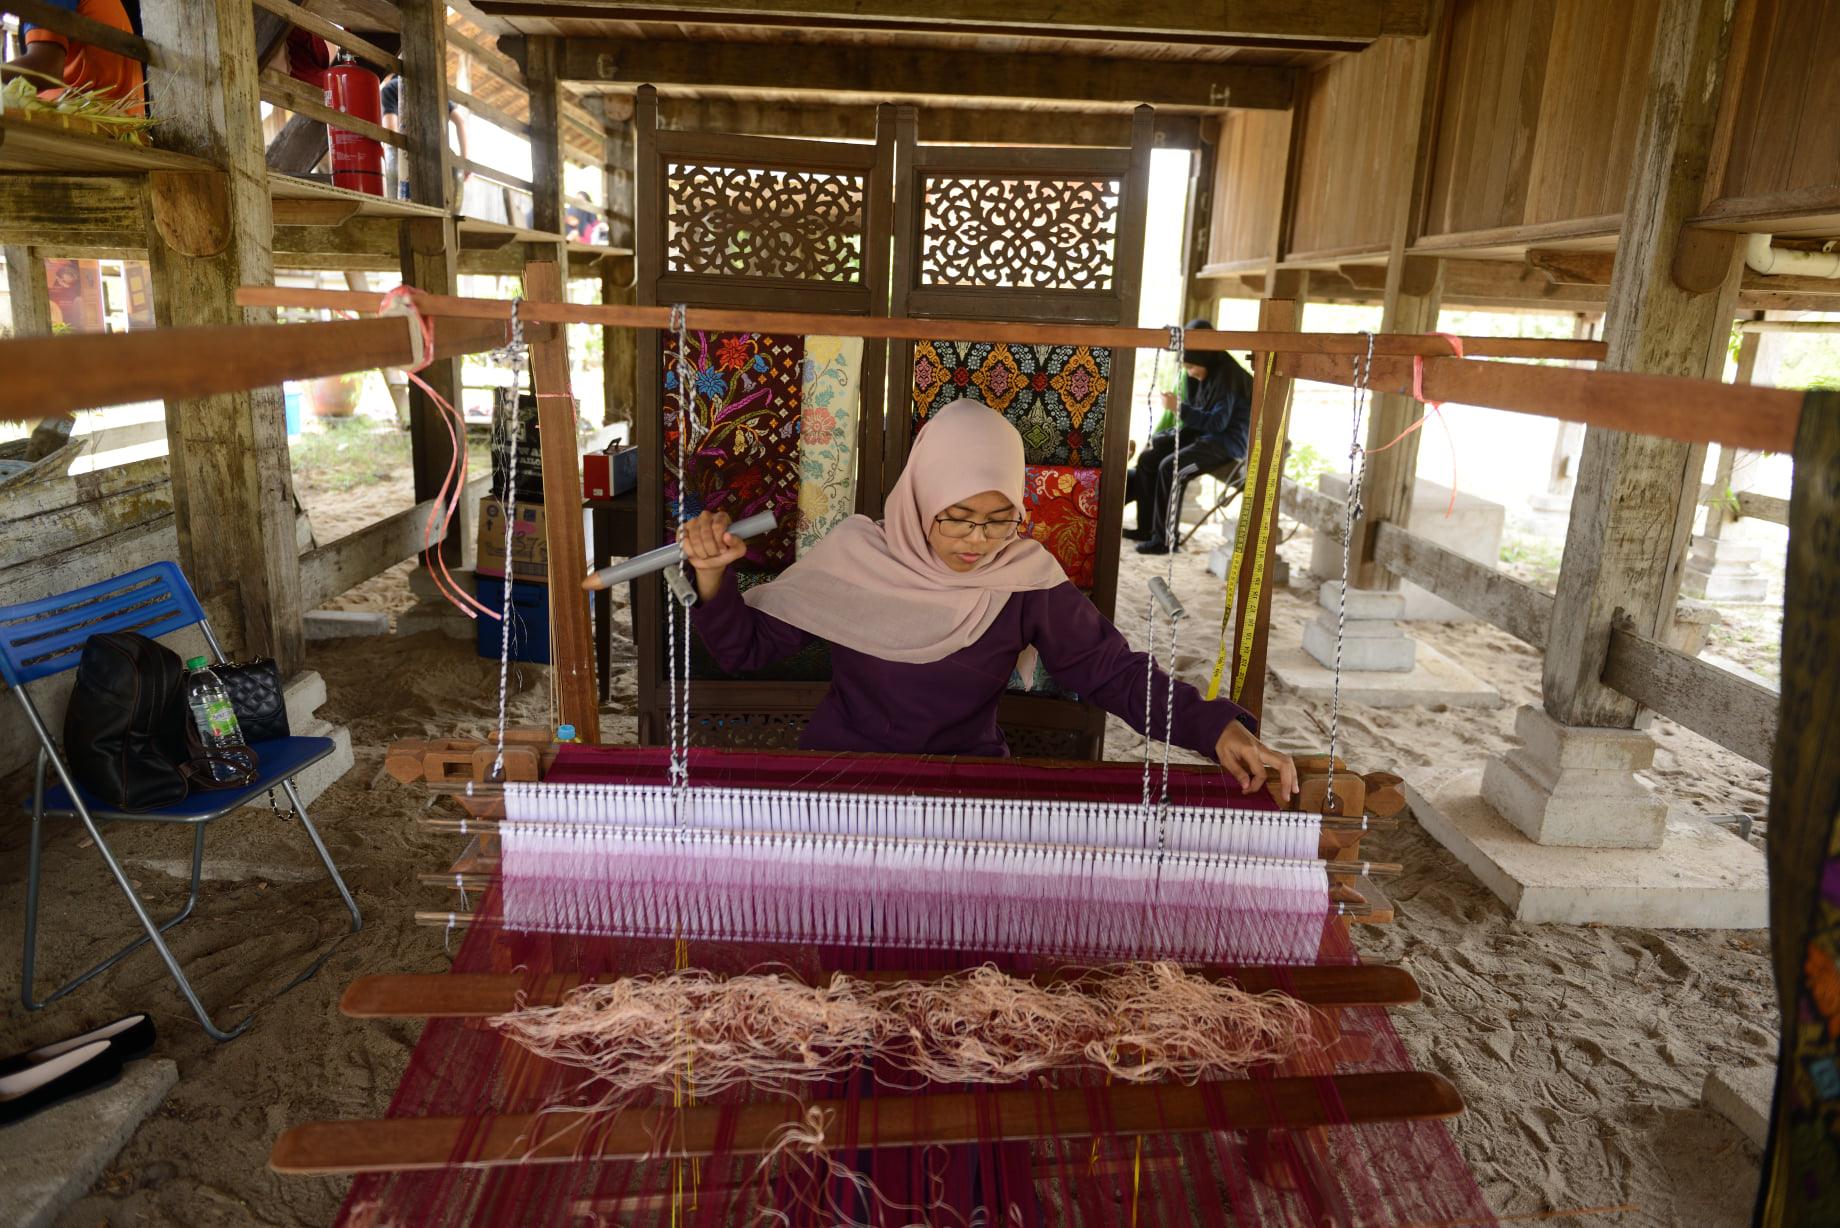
405 1144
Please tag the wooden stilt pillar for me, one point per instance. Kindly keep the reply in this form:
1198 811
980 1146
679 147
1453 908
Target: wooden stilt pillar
546 205
1414 291
208 234
429 246
619 346
619 356
1633 507
571 641
1200 296
26 290
1271 396
1414 294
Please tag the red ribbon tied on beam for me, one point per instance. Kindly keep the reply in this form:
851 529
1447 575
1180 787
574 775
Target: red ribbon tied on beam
1436 407
401 302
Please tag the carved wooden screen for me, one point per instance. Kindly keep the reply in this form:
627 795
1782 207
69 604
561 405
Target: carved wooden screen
786 225
1028 234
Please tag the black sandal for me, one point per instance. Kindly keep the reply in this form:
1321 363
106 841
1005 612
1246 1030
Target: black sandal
77 1072
130 1037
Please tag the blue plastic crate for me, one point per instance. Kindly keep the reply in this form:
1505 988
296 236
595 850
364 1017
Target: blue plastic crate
529 619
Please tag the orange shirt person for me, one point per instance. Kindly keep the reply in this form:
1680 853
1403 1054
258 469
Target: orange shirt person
51 56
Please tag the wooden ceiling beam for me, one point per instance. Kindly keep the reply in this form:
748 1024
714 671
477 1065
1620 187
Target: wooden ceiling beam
937 125
1220 21
885 72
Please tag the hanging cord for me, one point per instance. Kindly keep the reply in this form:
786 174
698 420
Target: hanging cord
1172 534
514 434
1357 469
1165 599
679 693
1156 371
401 302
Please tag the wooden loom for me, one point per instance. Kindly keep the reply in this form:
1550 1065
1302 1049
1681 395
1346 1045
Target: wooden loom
1748 417
1304 1102
460 771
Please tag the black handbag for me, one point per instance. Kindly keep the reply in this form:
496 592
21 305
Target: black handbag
255 693
128 736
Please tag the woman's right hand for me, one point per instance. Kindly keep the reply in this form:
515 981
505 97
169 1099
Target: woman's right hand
710 548
1170 402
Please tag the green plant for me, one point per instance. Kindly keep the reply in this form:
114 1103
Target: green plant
1304 463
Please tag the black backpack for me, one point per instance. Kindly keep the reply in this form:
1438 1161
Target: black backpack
128 736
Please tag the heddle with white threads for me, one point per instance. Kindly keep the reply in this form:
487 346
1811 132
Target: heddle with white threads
1074 879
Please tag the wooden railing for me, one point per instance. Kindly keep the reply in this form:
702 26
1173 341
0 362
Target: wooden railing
342 565
1730 709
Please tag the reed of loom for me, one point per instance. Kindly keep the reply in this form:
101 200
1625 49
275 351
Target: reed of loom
459 772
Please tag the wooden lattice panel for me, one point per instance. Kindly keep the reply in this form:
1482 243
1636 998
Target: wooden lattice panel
1010 233
750 221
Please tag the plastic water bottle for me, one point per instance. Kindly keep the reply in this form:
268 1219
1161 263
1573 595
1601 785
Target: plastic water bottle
211 713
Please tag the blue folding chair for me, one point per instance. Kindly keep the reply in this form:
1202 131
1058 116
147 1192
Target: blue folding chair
40 638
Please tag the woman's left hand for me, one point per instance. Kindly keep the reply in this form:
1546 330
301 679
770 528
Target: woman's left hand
1249 761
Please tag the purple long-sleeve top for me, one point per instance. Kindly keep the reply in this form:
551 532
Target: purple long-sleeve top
949 706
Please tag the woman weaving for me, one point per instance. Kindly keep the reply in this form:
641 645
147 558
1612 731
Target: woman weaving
929 610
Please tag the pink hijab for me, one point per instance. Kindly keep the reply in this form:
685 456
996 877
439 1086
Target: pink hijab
878 587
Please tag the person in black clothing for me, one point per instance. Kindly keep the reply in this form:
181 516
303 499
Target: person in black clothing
390 95
1216 417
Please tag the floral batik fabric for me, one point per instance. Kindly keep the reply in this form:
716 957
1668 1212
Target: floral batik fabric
1061 503
830 394
743 446
1055 395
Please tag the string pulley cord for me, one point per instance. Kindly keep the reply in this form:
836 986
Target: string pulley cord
1357 470
514 432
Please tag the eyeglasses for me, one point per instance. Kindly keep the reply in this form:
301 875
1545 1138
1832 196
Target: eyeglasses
993 530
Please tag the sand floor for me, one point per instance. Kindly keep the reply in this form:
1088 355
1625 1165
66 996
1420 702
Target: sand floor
1580 1051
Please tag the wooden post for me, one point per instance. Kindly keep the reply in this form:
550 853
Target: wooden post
619 356
619 352
208 233
1271 394
27 291
1200 296
546 207
1414 293
1804 805
648 611
571 646
1719 511
1633 507
429 246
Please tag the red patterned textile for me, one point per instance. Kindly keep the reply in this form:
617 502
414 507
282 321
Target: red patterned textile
746 398
1376 1175
1061 503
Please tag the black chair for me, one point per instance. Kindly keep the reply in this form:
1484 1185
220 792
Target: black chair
1232 479
45 637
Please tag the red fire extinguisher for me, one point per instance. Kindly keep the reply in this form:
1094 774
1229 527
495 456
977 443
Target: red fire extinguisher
357 161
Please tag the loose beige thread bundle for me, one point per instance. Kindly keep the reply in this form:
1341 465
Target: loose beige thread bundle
1139 1023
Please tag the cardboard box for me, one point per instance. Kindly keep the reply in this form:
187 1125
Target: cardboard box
606 474
530 541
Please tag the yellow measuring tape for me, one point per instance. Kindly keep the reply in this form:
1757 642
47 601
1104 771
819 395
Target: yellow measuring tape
1241 537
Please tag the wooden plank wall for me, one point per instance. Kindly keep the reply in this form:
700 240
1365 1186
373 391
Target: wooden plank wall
1783 120
1355 109
1249 167
1538 120
61 532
